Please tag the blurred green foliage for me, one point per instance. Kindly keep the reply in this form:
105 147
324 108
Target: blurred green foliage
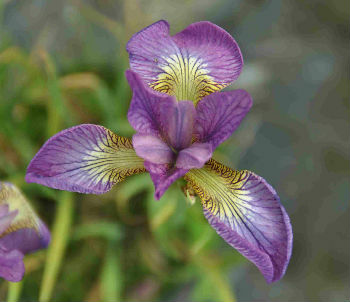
62 63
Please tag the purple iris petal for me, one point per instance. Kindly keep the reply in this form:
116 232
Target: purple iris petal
159 114
4 209
156 171
167 179
152 149
27 240
86 159
177 121
195 156
21 229
144 113
147 48
163 176
271 248
200 60
6 217
217 47
246 212
21 232
11 265
219 114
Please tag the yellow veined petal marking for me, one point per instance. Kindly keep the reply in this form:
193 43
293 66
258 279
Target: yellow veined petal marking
186 77
112 159
221 191
26 217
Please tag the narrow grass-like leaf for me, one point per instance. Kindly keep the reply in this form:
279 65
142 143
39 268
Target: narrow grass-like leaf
57 248
111 276
210 269
106 230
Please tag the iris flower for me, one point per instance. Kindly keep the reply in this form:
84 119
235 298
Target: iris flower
21 232
180 117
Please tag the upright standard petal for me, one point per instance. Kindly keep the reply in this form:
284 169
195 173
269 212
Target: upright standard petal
163 176
85 159
26 232
219 114
245 211
201 59
177 122
144 112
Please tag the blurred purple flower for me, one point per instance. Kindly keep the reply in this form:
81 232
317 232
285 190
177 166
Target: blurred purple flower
21 232
180 119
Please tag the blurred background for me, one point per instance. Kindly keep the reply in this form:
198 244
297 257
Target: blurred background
62 63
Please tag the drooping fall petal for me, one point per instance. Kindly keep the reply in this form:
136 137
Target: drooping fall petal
11 261
21 232
85 159
26 231
219 114
200 60
246 212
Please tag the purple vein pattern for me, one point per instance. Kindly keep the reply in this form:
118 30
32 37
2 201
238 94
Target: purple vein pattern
198 61
246 212
180 118
174 137
86 159
21 232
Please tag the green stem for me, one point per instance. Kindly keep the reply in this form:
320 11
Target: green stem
55 253
14 291
111 275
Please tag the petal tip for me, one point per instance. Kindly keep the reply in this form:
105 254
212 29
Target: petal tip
161 26
158 195
29 177
209 30
246 212
45 235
